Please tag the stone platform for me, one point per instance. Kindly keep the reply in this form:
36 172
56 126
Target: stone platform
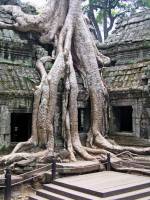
96 186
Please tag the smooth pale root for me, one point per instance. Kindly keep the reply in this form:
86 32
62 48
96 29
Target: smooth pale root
62 21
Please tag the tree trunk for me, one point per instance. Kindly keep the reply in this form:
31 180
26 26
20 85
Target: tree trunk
92 18
105 24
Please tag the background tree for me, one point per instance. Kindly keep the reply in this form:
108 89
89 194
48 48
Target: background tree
104 13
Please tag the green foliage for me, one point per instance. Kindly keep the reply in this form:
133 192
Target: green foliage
94 1
99 17
49 65
4 149
144 3
30 79
114 12
110 10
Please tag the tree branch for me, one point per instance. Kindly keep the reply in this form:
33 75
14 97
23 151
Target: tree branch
112 19
114 3
92 17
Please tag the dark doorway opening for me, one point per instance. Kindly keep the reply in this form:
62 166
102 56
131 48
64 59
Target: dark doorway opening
123 118
20 126
83 120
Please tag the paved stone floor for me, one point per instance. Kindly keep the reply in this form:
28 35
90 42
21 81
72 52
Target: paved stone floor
105 182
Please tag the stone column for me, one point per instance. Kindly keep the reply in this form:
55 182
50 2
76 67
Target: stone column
5 126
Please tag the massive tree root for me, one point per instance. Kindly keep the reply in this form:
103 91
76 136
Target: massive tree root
62 21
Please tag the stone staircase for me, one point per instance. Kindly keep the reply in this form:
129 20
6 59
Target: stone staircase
96 186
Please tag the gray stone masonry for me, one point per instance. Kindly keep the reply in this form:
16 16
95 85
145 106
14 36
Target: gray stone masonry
18 78
128 78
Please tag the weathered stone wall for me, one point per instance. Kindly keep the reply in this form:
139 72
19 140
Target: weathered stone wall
130 41
128 53
138 102
17 75
8 106
136 97
18 78
129 85
4 125
128 79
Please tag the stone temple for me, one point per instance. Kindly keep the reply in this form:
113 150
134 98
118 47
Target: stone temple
127 79
18 78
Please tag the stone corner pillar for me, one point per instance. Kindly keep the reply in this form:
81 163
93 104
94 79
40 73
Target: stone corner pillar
5 126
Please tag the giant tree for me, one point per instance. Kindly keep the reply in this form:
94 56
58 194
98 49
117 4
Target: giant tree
62 24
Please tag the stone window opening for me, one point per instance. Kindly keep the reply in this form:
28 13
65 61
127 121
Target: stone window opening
83 120
20 127
6 54
113 63
145 81
123 118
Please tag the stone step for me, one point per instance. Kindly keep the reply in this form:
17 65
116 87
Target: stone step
98 186
132 164
54 192
134 170
106 192
35 197
69 193
50 195
134 195
125 189
130 140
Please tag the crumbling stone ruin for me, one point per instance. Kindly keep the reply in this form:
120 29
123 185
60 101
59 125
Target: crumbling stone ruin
128 79
18 77
16 74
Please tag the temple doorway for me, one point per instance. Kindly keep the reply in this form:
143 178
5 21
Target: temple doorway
20 127
123 118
